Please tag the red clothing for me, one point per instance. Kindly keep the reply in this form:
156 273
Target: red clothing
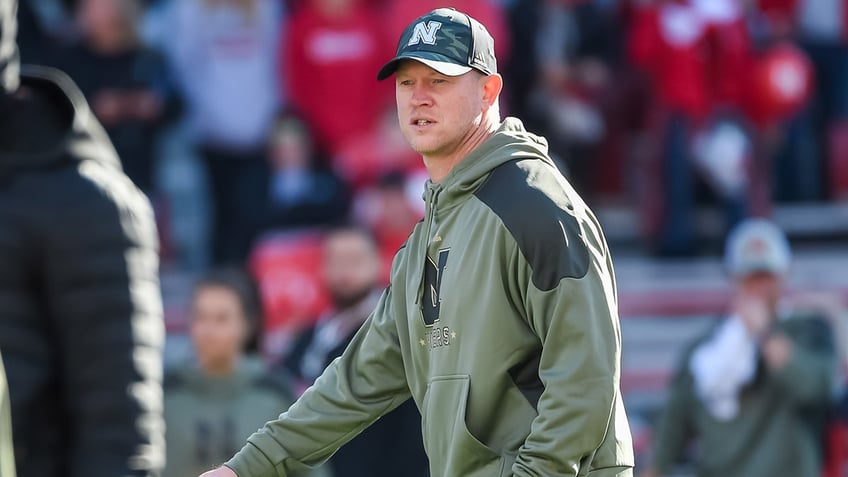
675 66
733 59
368 156
330 68
694 63
402 12
780 10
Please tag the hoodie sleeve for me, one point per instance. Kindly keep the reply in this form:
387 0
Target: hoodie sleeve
675 426
367 381
570 304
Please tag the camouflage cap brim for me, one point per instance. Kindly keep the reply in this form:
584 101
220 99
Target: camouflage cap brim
438 62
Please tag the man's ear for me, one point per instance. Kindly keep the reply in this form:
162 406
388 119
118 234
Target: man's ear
492 85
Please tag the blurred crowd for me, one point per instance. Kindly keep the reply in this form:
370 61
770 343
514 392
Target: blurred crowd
272 155
240 117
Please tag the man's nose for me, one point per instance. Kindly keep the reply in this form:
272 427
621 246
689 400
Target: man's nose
421 95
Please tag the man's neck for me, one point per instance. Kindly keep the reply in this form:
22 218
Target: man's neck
439 167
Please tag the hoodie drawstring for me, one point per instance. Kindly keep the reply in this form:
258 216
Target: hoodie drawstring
431 198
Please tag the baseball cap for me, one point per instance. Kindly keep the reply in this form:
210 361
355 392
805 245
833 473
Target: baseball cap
757 245
447 40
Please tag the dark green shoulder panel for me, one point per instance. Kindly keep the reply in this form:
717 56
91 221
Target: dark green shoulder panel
529 199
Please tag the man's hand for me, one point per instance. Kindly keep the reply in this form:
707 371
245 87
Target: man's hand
777 351
222 471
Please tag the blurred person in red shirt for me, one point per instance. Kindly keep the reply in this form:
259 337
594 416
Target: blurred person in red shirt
696 55
366 157
325 44
388 211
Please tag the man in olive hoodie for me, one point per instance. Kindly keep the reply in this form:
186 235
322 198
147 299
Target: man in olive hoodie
501 318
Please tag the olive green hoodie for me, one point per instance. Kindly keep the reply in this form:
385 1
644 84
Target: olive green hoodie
501 322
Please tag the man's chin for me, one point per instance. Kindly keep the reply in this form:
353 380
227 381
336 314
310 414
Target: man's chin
423 149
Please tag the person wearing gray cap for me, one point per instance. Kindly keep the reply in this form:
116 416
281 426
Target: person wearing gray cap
81 327
501 320
756 389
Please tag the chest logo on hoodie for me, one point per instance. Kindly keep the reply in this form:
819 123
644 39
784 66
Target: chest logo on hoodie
431 300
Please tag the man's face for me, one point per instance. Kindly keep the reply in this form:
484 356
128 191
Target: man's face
99 15
351 267
763 286
436 112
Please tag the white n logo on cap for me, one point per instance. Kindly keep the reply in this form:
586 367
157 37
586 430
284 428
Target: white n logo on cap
424 33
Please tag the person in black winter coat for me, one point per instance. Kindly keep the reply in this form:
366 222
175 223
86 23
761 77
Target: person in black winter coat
81 326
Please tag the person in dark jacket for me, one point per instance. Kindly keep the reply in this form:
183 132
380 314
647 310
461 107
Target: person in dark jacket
123 81
297 189
81 329
753 392
351 270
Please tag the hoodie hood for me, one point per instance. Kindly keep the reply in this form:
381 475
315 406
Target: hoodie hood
511 141
9 63
67 128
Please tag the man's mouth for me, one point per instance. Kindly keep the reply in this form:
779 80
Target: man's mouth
422 122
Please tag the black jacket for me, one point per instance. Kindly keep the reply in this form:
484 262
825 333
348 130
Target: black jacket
81 326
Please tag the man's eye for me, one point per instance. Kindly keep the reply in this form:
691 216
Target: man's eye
406 83
439 81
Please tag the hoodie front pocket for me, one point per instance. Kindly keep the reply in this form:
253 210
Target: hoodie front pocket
452 449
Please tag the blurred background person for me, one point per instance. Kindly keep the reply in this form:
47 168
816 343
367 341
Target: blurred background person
124 81
366 157
301 190
696 56
756 390
390 209
223 53
329 54
351 269
216 401
573 48
821 27
81 330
